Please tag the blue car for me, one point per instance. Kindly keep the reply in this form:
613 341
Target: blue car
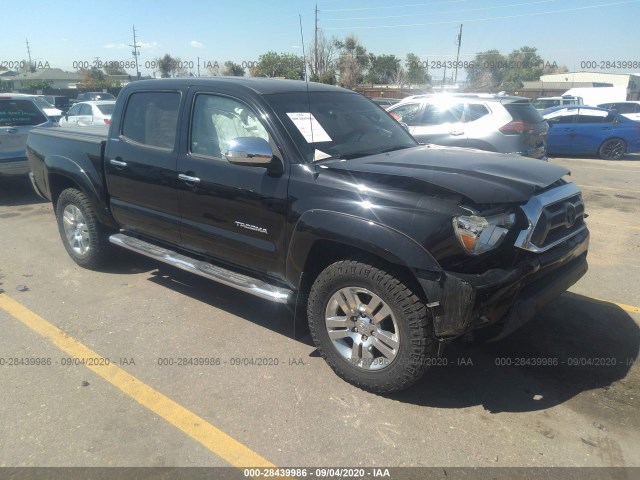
580 130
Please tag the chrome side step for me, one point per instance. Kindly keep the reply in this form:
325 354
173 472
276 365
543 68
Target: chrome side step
212 272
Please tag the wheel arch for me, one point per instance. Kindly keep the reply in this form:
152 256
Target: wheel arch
63 173
321 238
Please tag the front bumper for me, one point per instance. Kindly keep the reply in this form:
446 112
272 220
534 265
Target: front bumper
461 303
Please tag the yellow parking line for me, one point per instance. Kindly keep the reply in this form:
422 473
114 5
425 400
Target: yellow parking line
196 427
626 308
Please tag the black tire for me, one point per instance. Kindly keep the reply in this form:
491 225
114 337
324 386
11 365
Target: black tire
408 316
89 232
612 149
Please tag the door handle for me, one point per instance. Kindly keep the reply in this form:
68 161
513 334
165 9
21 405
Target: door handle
117 163
188 178
456 133
12 130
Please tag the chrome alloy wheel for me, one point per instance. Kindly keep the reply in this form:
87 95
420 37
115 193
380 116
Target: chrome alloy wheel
75 229
362 328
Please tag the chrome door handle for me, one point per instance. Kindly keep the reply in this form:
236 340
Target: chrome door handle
12 130
117 163
188 178
456 133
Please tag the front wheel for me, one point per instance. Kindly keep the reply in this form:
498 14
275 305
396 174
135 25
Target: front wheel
613 149
84 238
370 327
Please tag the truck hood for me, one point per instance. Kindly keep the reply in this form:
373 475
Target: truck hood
483 177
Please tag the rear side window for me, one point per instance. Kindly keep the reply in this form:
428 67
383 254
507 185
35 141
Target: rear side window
106 109
523 112
20 113
151 118
594 116
475 112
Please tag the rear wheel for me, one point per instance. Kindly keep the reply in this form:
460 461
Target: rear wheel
613 149
84 238
370 327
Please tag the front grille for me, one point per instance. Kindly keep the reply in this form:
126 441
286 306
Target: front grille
553 217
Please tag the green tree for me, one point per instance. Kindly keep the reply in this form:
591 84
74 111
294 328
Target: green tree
170 66
352 62
383 69
416 70
232 69
322 59
113 68
487 70
95 78
285 65
38 84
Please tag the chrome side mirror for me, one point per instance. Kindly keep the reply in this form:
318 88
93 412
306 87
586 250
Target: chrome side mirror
249 151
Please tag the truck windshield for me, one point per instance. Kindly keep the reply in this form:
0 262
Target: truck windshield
338 125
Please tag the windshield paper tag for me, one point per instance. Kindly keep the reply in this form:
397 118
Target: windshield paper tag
309 127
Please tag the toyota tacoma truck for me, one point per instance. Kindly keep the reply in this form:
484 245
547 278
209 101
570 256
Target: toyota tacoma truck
312 196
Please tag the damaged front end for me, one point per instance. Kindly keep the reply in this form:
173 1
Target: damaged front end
555 243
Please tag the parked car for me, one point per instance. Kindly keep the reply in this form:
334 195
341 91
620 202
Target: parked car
490 122
18 115
580 130
92 96
83 114
628 109
311 195
49 110
543 103
59 101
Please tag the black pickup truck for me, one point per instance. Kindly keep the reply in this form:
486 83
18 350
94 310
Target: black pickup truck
312 195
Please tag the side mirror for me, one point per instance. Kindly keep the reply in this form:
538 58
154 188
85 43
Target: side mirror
249 151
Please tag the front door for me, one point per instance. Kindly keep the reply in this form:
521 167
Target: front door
234 213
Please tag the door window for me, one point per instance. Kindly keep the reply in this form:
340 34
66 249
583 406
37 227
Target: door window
74 111
475 112
151 119
218 120
408 114
439 114
85 110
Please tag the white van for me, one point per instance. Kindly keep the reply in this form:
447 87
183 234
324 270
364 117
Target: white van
543 103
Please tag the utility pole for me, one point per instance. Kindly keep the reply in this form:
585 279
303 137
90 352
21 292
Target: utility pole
29 54
459 42
135 52
315 60
198 66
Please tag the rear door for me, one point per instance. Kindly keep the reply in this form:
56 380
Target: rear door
140 164
234 213
591 128
441 123
85 115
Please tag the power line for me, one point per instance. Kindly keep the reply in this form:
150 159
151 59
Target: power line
442 13
393 6
504 17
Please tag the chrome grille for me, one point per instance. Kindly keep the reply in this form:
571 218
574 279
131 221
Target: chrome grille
553 217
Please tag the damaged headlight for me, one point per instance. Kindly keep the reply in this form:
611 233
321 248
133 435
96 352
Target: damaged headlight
478 235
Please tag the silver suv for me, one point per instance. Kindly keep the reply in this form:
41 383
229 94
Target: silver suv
495 123
18 115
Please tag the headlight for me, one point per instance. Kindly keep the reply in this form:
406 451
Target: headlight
478 235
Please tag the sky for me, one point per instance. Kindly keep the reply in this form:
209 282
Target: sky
67 34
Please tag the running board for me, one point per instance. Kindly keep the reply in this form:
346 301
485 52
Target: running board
212 272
